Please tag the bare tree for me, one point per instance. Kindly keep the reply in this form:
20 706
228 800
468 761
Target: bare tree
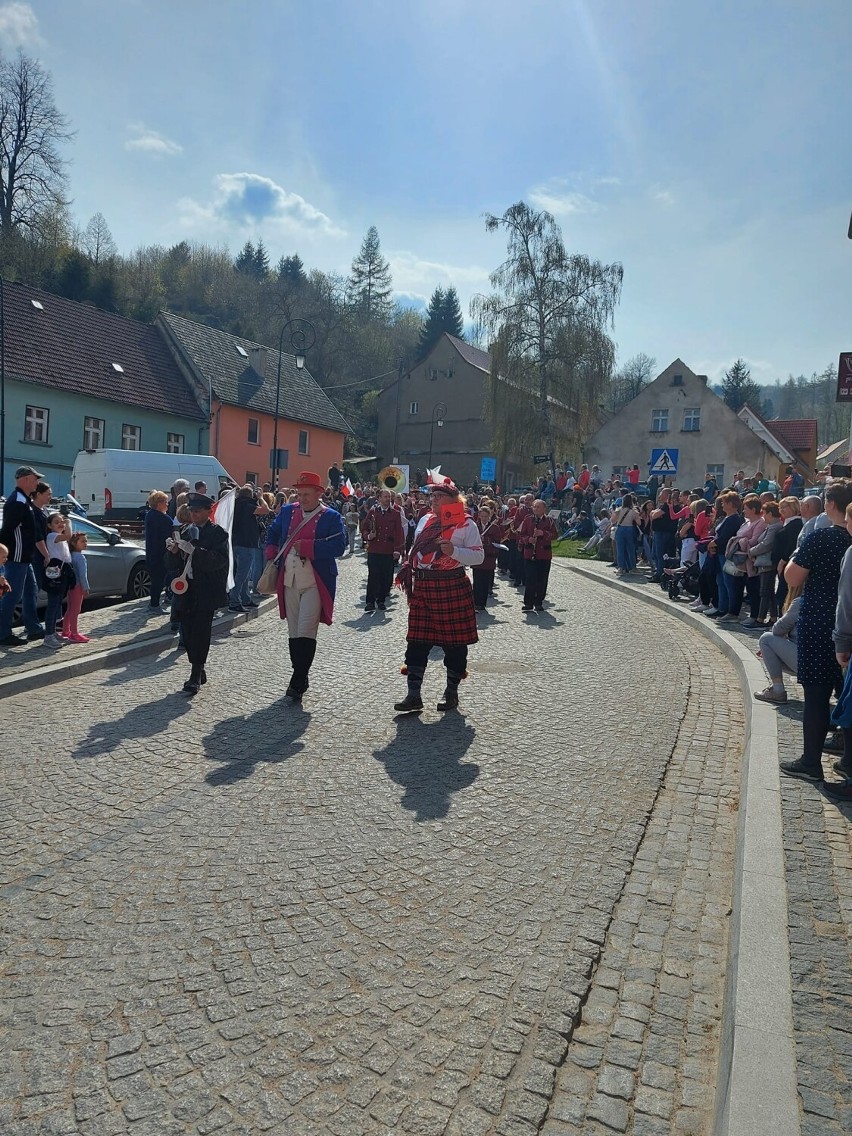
631 377
551 356
97 241
32 172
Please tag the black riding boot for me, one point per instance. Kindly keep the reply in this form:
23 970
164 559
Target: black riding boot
450 700
412 700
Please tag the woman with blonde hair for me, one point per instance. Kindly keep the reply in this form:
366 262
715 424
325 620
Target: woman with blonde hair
158 528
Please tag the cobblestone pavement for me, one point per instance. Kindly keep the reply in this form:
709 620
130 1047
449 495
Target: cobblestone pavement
234 914
817 835
110 626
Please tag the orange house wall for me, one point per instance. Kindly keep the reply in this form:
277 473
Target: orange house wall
229 443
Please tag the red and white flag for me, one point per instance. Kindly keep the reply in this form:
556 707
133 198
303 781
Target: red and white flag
347 488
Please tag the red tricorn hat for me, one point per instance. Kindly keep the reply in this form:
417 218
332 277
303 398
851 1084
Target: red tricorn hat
309 481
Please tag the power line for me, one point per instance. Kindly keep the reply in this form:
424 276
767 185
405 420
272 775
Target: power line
346 386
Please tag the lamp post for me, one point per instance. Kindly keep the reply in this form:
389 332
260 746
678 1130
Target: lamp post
302 339
439 411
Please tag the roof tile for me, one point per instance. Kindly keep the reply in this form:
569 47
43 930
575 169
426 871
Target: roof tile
74 347
215 358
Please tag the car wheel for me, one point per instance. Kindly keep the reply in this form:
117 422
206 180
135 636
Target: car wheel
139 583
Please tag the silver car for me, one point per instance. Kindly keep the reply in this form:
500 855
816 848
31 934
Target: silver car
116 565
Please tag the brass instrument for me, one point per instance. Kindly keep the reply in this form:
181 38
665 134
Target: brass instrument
393 479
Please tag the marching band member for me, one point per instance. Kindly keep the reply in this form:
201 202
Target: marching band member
440 597
383 535
491 532
538 531
306 537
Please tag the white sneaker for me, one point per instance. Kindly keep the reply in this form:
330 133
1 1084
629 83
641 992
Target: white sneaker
696 605
710 610
53 642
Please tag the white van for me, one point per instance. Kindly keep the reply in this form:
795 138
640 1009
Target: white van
114 484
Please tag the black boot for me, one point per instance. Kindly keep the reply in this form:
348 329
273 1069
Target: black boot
308 651
412 701
293 691
193 683
450 701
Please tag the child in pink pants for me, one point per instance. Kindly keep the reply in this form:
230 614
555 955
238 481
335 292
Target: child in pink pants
78 593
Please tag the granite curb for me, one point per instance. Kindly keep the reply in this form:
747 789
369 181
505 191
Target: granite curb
58 670
757 1083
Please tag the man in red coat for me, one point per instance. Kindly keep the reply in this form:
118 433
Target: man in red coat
384 536
538 533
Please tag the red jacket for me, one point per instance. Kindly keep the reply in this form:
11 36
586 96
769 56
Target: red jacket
538 547
382 531
492 534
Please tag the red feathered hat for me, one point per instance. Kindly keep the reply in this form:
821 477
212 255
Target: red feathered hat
436 480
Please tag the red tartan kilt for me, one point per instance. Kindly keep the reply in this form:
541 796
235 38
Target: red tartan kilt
441 611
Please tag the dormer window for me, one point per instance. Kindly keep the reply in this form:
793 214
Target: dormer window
38 305
117 367
241 351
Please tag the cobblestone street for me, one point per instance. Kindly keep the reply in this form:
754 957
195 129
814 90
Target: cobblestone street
234 914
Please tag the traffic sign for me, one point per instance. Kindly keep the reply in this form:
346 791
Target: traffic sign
664 462
540 459
844 377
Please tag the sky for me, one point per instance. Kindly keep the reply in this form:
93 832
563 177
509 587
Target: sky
704 146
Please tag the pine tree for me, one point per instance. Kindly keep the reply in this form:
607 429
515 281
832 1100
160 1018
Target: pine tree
291 271
739 388
261 262
432 329
370 283
245 260
451 315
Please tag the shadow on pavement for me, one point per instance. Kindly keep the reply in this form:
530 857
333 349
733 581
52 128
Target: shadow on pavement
144 721
425 758
243 743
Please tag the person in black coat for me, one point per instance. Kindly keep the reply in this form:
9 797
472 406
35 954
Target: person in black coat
205 544
159 528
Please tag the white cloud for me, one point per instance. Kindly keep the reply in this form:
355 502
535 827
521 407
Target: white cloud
150 142
413 275
664 196
19 25
560 198
243 201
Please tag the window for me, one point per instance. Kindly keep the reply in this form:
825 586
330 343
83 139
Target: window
413 407
93 433
251 478
659 421
717 471
131 437
303 442
433 374
35 424
692 418
254 431
174 443
619 470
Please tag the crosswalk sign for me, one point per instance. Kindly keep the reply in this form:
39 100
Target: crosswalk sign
664 462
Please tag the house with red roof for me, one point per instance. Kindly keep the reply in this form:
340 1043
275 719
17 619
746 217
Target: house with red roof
79 378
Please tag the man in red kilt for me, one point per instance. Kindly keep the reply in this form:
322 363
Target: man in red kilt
440 597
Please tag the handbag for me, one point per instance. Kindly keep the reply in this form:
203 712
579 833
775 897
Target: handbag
732 569
268 582
763 560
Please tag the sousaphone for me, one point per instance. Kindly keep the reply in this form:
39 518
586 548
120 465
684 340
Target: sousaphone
393 479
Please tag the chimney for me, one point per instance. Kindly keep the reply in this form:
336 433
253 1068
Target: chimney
703 378
258 360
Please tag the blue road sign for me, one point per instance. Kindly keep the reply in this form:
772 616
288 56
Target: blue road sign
488 469
663 462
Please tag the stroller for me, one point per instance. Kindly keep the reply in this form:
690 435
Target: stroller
676 579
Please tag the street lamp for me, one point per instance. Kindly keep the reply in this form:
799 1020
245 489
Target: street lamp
302 339
439 412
